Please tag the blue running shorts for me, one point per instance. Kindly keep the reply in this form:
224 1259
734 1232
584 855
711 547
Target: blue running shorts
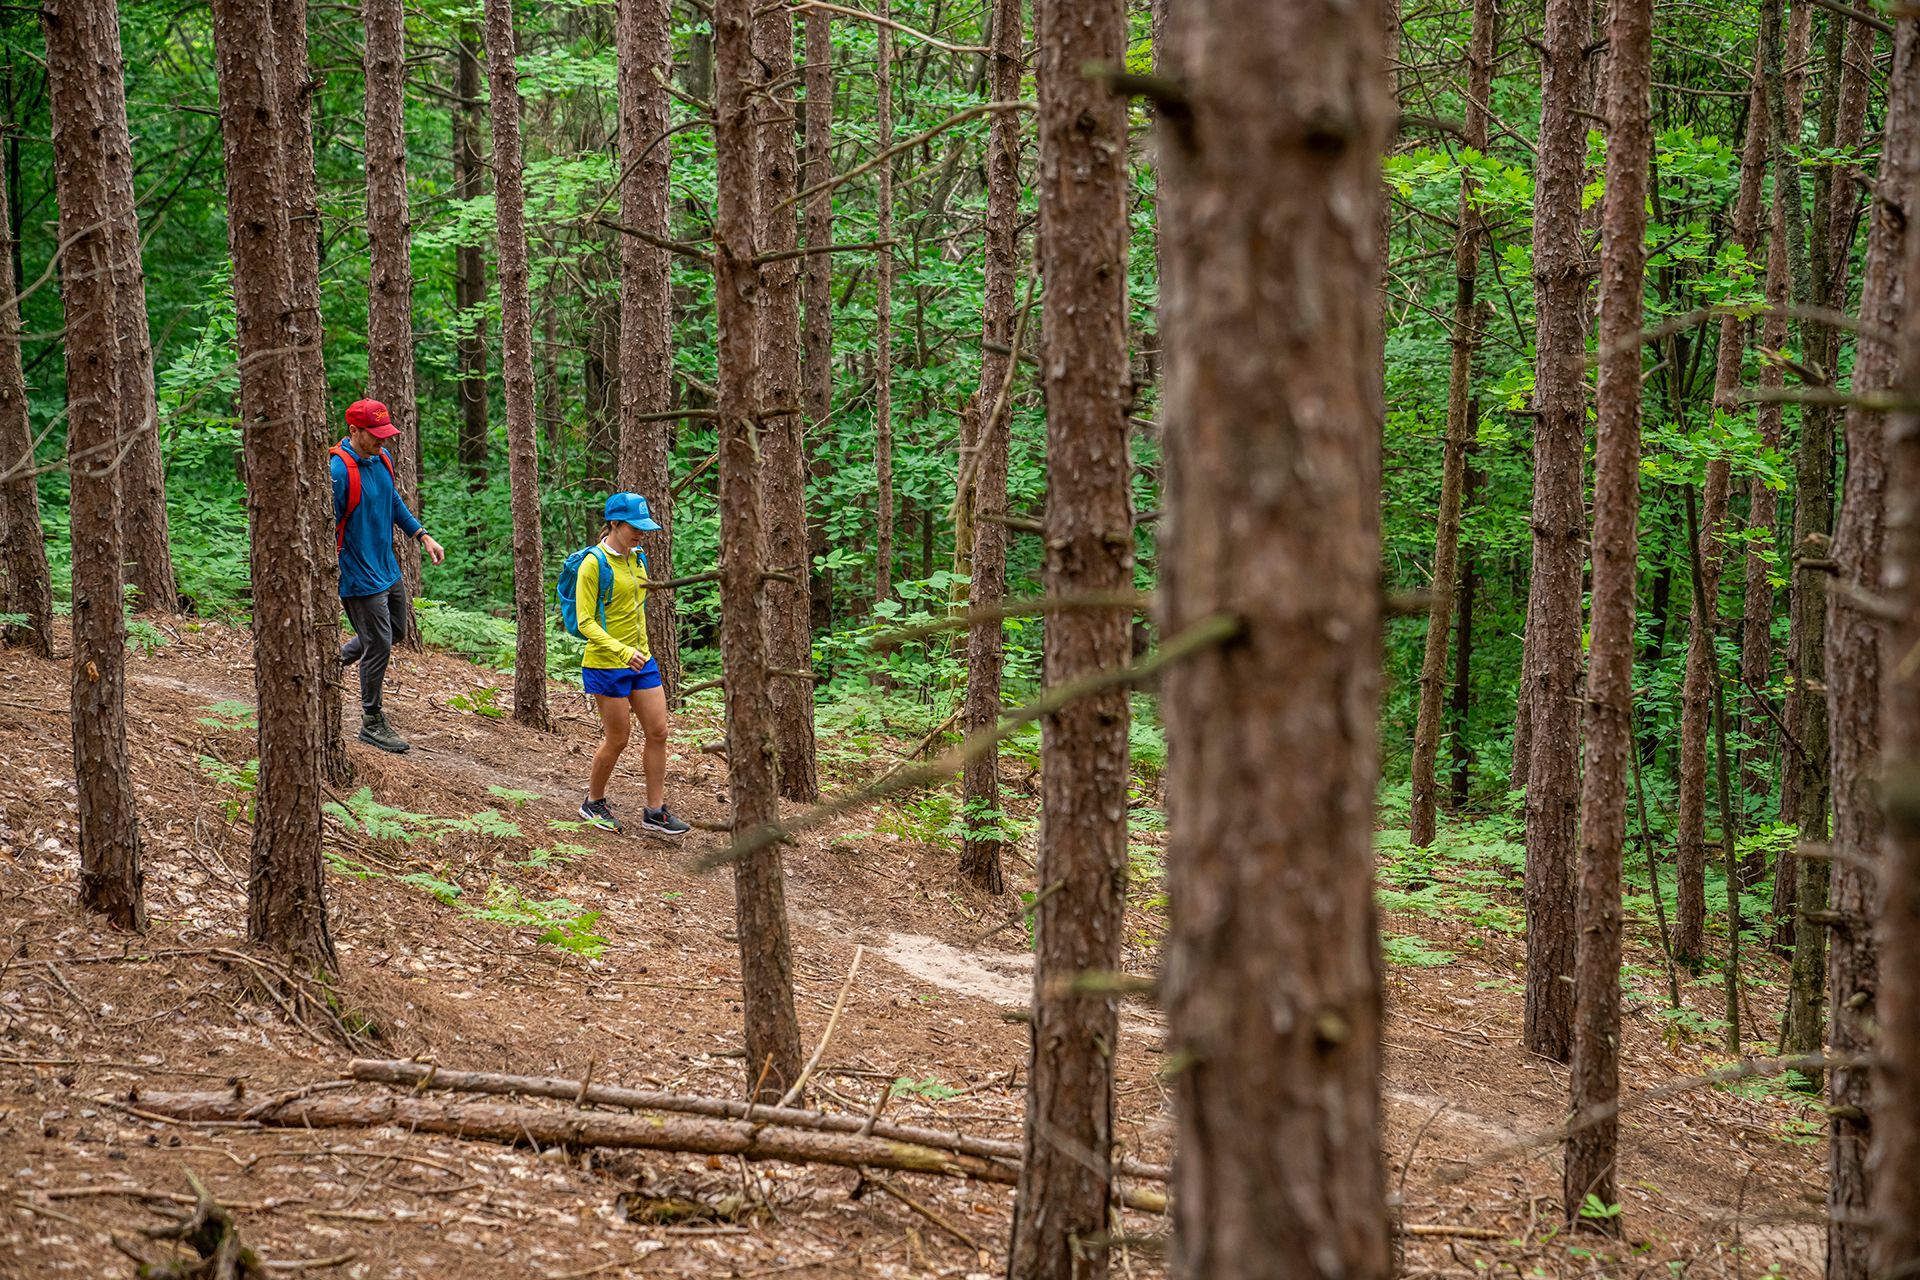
619 682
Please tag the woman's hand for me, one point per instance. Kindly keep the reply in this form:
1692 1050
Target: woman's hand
638 661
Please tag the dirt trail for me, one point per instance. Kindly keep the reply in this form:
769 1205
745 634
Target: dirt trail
661 1007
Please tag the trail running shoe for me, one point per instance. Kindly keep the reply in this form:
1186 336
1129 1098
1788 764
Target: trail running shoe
376 732
662 822
600 814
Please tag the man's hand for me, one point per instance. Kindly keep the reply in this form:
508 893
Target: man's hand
638 661
435 552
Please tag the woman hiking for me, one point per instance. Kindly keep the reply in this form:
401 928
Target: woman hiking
618 670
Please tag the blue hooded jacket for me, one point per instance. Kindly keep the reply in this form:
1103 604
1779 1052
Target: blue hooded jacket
367 563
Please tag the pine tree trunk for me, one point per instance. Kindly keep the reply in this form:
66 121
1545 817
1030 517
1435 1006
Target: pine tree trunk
1462 697
1702 667
1895 1159
1794 236
1756 655
980 782
516 362
783 457
390 378
1595 1074
1460 432
1084 190
287 890
26 587
1272 979
1855 661
1842 124
1521 759
83 84
143 491
295 86
883 325
645 38
816 338
1552 678
470 266
759 883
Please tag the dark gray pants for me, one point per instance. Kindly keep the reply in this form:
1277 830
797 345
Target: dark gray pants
374 619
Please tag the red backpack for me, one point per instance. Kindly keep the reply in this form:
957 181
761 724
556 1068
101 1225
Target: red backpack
353 491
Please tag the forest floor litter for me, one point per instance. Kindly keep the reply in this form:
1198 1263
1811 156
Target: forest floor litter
467 907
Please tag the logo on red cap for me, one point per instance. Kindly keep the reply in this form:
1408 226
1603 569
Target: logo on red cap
371 417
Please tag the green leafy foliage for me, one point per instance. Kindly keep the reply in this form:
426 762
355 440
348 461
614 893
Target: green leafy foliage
231 715
563 923
481 701
1413 953
242 778
931 1088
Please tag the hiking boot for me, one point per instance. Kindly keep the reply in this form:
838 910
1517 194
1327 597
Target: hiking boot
662 822
600 814
376 732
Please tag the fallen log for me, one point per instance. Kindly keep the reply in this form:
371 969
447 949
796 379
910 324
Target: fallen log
422 1075
547 1126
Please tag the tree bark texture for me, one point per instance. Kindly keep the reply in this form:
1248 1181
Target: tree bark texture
987 585
783 458
26 585
294 83
516 363
1084 190
1787 189
1895 1160
1756 640
645 38
470 264
1855 662
1272 460
1460 432
287 887
1842 124
1551 680
816 337
883 324
1462 696
143 494
1595 1074
759 883
390 377
83 85
1702 662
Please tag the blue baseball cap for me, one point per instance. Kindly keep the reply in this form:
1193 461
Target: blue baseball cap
630 508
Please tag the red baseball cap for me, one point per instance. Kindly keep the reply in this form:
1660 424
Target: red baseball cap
371 417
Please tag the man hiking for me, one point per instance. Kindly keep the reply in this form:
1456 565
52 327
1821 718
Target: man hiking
366 510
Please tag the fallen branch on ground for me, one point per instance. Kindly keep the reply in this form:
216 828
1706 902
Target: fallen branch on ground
423 1075
568 1127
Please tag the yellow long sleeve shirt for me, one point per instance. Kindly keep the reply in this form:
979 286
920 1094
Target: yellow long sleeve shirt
625 634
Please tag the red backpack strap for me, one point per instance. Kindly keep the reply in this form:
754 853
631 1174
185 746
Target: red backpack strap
353 494
389 465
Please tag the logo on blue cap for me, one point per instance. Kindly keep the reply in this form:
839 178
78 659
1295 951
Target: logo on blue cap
630 508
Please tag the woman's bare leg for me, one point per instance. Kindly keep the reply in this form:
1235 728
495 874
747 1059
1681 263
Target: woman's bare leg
650 707
616 726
